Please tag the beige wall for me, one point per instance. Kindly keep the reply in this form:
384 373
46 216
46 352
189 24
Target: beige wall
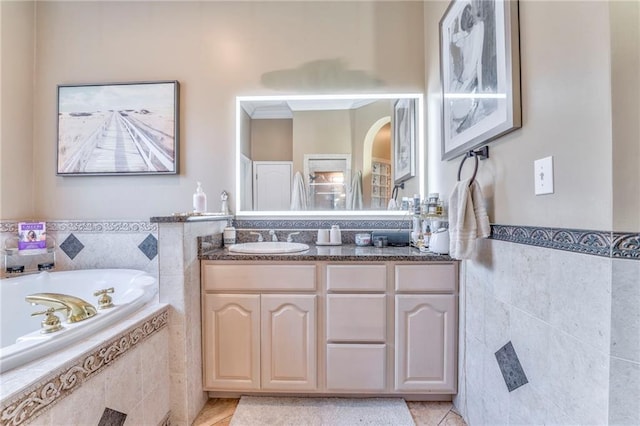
566 104
16 110
272 140
320 132
217 50
625 88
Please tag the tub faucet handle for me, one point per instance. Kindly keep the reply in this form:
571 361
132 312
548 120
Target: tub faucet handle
105 300
51 322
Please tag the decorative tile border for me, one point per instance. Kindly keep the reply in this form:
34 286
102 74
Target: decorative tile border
626 245
597 243
298 224
88 226
59 384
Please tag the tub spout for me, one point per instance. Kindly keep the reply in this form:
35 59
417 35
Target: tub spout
76 308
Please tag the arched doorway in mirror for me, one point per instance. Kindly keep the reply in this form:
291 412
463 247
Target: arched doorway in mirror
376 167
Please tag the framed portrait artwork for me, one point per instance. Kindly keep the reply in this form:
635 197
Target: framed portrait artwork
404 139
480 73
118 129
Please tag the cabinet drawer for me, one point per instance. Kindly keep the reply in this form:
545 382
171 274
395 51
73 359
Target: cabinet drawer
259 277
356 317
426 278
356 367
356 277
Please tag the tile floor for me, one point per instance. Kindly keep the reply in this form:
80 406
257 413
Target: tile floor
218 412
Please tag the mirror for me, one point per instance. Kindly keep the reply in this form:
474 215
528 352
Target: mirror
331 155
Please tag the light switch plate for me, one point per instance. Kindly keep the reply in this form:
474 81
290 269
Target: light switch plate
543 175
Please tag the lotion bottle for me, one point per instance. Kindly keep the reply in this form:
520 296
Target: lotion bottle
199 200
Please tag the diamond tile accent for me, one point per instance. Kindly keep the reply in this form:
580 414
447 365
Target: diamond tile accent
71 246
112 418
510 367
149 246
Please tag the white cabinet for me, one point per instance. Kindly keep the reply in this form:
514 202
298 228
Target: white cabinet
231 343
425 343
356 367
426 327
288 348
376 328
356 324
259 341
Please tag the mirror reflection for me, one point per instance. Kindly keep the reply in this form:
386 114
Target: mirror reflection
325 153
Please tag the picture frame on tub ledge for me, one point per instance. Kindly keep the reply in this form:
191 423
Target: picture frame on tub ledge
118 128
479 73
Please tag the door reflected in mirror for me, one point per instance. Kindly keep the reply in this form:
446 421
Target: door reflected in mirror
320 154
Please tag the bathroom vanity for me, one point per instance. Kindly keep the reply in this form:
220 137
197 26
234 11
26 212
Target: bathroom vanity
344 320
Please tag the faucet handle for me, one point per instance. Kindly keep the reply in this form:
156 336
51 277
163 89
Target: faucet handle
290 236
274 237
260 239
105 300
51 322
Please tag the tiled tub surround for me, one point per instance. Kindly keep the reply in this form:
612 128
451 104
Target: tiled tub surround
180 287
123 368
98 244
568 302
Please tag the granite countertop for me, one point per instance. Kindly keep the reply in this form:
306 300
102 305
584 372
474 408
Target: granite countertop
343 253
190 217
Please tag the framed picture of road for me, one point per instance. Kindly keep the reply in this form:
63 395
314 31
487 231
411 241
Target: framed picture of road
118 128
480 73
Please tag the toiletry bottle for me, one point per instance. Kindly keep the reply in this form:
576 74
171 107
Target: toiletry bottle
224 203
416 204
199 200
229 234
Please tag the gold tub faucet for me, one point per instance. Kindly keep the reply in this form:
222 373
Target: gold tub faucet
76 308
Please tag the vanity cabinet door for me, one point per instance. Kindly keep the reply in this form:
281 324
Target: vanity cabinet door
288 342
231 341
425 343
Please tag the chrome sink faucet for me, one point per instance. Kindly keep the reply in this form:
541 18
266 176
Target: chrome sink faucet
260 239
274 237
290 236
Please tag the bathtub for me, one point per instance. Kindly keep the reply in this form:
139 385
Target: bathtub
20 334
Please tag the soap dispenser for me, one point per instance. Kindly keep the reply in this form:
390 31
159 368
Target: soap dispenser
199 200
224 203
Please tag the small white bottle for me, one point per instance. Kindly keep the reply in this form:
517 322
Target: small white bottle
199 200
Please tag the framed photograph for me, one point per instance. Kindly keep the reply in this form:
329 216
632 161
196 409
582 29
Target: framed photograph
118 129
404 139
480 73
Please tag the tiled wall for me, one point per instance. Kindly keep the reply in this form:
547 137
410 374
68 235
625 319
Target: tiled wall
567 301
99 244
137 384
180 286
120 370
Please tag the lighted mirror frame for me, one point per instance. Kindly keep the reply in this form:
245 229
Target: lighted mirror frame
334 214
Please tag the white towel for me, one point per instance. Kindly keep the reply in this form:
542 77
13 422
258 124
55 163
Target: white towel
354 202
298 193
468 219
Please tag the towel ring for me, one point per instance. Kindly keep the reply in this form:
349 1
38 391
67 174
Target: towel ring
482 152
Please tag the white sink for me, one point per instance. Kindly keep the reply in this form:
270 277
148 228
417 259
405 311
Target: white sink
268 247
